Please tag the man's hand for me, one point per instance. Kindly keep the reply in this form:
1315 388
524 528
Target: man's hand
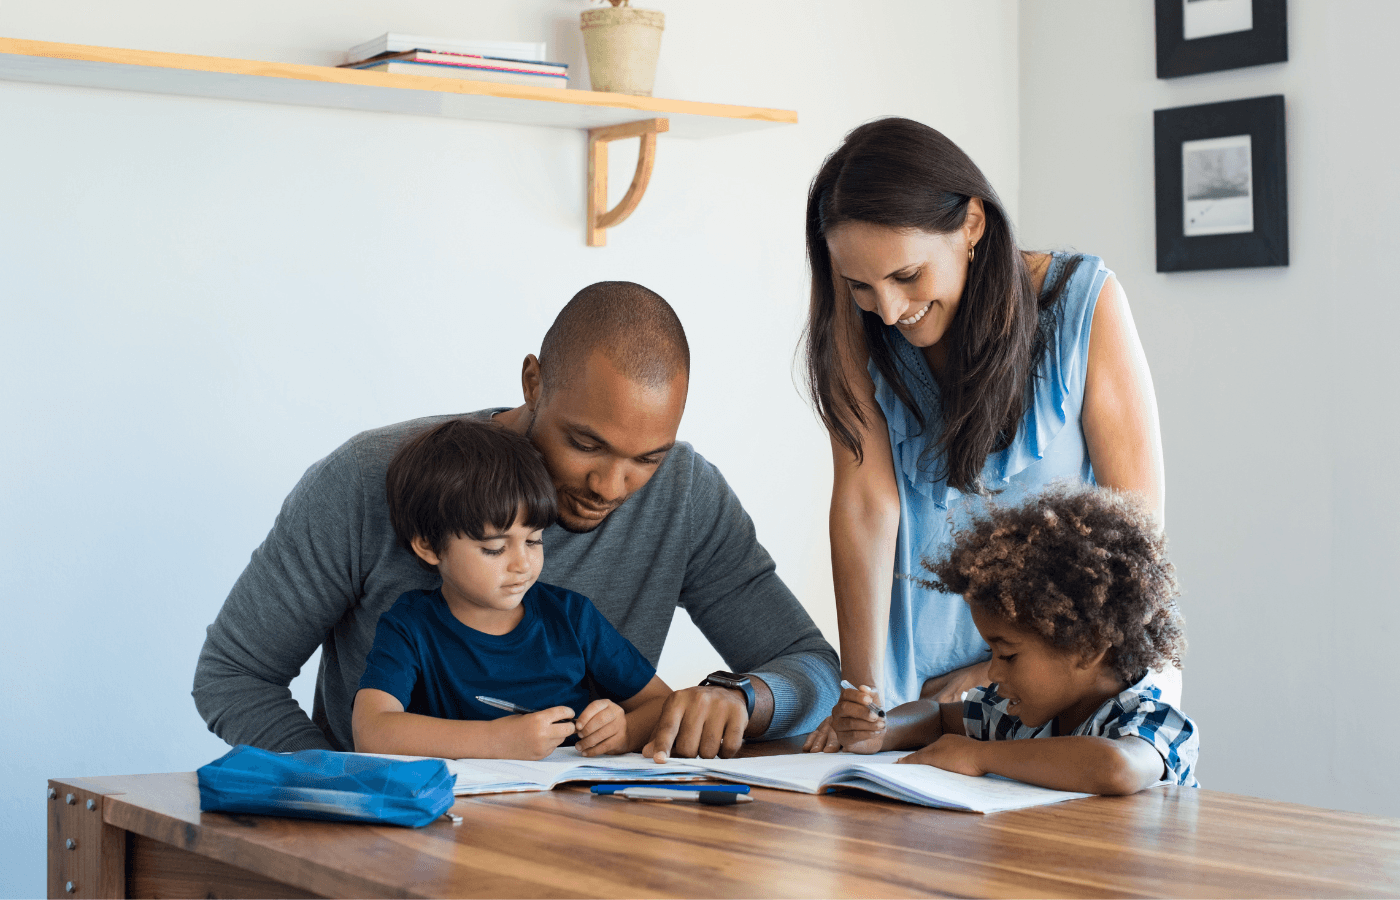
534 736
699 721
954 752
857 726
602 728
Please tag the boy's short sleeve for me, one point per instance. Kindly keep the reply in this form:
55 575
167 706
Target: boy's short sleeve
1167 729
986 717
393 665
617 667
977 715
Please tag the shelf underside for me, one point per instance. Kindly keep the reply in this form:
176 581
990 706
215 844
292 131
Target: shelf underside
303 85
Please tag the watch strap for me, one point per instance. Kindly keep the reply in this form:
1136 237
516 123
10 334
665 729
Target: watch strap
736 682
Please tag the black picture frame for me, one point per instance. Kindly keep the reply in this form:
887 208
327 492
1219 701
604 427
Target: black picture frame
1265 42
1188 244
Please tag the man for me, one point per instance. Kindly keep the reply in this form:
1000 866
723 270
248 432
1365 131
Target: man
645 524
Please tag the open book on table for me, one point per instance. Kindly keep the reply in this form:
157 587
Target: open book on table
815 773
808 773
493 776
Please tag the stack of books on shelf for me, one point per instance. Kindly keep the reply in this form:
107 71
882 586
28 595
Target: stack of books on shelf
507 62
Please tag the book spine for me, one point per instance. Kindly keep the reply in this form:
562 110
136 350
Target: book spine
467 73
487 62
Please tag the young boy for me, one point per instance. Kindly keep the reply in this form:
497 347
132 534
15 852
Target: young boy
1074 595
471 500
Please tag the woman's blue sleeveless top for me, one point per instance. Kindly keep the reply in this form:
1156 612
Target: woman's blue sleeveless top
931 632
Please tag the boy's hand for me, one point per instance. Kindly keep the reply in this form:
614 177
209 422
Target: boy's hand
535 736
602 728
954 752
856 725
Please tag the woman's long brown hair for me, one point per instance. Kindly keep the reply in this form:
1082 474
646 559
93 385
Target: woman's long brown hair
902 174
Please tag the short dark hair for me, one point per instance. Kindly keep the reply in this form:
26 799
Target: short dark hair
1084 568
462 477
633 326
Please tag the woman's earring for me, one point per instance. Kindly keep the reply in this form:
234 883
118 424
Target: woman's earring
970 254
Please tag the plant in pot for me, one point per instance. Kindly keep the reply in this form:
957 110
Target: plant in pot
622 44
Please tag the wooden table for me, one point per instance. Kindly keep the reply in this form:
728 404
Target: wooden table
144 836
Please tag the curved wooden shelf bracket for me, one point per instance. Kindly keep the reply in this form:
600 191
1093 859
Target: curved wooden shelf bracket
600 218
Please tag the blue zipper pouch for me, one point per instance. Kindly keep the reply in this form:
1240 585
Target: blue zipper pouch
324 784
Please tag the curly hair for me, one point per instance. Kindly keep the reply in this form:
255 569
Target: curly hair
1084 568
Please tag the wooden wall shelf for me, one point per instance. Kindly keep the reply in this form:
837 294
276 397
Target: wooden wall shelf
80 65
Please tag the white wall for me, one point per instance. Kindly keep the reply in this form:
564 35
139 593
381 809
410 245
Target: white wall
1277 386
201 297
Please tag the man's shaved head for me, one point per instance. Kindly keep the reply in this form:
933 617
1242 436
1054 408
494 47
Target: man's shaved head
634 328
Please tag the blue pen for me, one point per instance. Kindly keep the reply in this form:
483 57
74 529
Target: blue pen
708 794
726 788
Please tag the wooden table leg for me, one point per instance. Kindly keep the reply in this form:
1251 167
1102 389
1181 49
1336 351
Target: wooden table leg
87 857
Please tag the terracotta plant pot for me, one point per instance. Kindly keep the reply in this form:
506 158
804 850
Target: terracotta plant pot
622 44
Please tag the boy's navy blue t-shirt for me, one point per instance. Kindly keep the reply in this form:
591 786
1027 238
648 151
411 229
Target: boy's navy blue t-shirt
436 666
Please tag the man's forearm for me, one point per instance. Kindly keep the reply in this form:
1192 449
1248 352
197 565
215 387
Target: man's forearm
243 709
802 687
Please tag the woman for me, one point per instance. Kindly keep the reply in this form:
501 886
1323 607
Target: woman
951 369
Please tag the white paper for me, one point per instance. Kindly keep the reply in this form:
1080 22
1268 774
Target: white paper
880 774
484 776
791 771
1205 18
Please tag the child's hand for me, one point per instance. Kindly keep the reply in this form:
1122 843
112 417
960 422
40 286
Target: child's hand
856 725
602 728
534 736
954 752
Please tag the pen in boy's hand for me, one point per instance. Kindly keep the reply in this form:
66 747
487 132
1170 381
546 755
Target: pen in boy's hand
848 686
506 705
509 707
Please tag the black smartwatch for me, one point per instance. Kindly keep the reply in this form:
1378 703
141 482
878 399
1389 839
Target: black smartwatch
737 682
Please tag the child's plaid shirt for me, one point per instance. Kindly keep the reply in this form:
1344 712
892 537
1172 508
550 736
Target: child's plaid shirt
1138 711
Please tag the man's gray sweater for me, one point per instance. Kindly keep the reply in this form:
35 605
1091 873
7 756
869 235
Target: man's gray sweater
331 565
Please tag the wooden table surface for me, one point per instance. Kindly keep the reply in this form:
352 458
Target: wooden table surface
1163 842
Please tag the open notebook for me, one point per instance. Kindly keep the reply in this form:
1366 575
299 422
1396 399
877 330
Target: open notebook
814 773
493 776
808 773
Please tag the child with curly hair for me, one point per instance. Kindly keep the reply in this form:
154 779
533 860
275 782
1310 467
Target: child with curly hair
1074 595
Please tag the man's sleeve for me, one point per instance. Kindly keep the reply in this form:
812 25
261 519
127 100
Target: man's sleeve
735 597
296 587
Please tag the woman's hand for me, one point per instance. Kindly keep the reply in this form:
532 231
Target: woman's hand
953 752
949 688
858 727
602 729
823 740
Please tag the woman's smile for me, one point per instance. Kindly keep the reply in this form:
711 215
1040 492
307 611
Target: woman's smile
914 319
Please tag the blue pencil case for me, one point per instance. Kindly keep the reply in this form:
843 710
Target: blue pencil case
323 784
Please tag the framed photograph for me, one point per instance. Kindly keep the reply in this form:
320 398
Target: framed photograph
1195 36
1222 191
